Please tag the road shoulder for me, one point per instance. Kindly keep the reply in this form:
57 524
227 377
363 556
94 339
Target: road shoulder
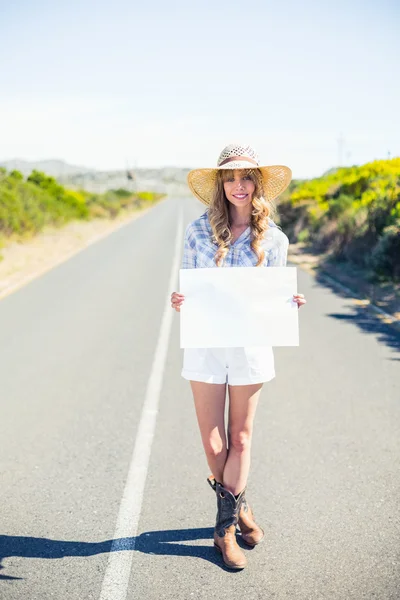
381 298
24 261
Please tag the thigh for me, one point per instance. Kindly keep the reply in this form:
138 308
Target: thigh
243 400
209 402
206 365
250 365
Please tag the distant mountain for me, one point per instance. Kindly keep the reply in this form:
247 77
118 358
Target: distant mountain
53 167
164 179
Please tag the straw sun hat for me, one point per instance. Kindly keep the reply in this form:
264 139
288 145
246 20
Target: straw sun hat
275 178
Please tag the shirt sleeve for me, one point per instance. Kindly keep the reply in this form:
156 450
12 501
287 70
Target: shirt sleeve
189 249
280 251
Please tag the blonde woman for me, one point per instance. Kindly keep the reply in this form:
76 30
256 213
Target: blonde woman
235 231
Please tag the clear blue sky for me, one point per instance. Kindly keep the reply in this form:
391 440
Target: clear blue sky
170 83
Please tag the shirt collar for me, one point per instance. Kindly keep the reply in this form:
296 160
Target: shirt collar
243 236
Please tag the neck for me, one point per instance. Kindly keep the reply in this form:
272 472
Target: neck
240 216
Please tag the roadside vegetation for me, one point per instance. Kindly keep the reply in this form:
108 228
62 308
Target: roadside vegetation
351 214
28 205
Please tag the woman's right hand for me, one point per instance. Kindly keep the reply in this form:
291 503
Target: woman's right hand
176 300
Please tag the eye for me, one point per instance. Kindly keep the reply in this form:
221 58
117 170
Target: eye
247 177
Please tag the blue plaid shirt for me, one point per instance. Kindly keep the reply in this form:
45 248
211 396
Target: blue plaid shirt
199 250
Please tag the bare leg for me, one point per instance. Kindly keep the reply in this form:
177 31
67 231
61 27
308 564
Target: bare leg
243 401
209 401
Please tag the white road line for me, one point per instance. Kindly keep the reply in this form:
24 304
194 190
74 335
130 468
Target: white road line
116 578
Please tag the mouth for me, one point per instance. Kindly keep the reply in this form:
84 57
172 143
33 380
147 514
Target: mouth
240 196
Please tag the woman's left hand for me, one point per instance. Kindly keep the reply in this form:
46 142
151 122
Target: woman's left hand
299 299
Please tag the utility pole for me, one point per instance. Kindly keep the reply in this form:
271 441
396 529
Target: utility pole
130 175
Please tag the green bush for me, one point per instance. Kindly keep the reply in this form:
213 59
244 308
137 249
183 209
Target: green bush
304 236
337 205
122 193
28 206
385 257
349 211
16 175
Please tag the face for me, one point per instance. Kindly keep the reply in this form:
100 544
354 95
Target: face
239 188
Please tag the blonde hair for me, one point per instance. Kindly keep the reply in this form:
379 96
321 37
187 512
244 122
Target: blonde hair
219 215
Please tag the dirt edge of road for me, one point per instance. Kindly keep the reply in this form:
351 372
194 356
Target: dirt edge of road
382 298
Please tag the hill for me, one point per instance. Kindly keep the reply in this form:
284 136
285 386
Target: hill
161 180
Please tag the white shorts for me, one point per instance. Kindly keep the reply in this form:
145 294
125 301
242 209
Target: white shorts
235 366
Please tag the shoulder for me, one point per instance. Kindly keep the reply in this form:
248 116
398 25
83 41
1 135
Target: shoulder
275 237
199 229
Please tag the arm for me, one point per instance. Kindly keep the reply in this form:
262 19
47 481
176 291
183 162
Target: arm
280 250
188 262
279 259
189 250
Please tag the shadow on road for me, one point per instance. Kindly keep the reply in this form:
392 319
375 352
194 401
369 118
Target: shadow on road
363 317
152 542
31 547
161 542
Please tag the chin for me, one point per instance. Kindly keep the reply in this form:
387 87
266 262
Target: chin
240 203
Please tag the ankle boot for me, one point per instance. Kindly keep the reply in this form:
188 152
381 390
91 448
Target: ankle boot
252 534
225 528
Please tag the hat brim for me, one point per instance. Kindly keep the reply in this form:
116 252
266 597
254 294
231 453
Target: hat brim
276 179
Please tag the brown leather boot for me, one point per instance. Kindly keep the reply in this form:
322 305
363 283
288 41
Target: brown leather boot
252 534
225 528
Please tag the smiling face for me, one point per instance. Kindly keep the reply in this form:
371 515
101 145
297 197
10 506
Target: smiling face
239 187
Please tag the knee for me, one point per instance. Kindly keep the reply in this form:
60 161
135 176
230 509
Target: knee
214 447
240 441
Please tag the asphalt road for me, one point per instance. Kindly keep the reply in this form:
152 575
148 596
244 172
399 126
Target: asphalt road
77 349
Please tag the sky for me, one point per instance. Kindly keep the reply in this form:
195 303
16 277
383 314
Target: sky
108 85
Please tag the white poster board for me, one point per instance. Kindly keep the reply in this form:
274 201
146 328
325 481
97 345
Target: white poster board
238 306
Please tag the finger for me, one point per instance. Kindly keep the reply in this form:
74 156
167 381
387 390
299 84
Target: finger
176 303
300 301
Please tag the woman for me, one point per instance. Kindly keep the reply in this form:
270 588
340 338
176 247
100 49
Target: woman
235 231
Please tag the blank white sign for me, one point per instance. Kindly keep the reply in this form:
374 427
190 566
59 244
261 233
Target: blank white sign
238 306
